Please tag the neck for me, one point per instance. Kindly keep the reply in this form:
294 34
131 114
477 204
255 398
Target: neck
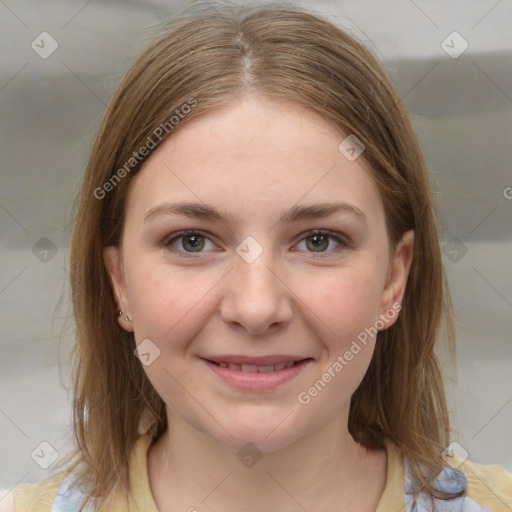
188 468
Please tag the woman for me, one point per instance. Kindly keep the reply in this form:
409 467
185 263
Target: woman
258 287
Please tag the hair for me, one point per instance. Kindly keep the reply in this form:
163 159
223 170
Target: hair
207 58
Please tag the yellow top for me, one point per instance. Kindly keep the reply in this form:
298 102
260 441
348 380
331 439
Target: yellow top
488 487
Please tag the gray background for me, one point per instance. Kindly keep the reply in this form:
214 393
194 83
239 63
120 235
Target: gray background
50 109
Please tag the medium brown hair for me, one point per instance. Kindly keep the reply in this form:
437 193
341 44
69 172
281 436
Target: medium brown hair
214 55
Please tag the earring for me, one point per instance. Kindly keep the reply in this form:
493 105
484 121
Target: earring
121 313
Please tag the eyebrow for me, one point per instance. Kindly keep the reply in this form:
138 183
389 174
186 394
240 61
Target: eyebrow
299 212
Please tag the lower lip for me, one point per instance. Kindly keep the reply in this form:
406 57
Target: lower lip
257 381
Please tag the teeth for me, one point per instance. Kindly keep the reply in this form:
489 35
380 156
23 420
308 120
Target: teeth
252 368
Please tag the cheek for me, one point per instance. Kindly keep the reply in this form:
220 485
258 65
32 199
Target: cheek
345 303
345 310
170 308
169 305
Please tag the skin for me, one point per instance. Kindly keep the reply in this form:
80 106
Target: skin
255 159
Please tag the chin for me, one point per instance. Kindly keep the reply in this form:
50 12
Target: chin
257 441
267 433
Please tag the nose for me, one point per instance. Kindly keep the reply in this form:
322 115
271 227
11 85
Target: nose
256 298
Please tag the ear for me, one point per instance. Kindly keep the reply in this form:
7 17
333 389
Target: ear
113 259
396 280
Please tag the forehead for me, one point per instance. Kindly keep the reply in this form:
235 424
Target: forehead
255 157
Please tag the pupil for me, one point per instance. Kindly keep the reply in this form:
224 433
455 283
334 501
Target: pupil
194 241
318 240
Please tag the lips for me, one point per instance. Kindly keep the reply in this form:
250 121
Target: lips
252 368
257 374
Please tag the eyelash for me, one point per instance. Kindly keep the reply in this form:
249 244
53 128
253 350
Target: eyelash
169 240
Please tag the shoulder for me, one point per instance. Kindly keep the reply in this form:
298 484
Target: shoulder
487 488
35 497
60 493
489 485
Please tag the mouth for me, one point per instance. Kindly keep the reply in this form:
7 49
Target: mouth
253 368
257 374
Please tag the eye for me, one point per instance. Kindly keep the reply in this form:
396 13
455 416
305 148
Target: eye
318 241
192 241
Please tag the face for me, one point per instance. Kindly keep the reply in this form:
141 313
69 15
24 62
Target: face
255 268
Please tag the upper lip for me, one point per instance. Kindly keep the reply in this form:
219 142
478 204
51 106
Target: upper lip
258 361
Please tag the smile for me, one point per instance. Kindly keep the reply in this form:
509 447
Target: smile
252 368
245 375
